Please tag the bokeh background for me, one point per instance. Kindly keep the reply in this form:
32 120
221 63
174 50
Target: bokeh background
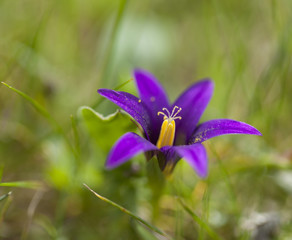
60 52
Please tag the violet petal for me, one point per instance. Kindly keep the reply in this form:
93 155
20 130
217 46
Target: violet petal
129 145
217 127
195 155
154 96
193 103
167 158
132 105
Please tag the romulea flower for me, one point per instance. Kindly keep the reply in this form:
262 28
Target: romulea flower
170 131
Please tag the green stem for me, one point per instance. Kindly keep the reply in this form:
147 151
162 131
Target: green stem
156 181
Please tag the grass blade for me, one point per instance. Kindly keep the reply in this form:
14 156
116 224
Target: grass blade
7 200
153 228
35 104
39 108
101 99
5 196
199 221
22 184
111 48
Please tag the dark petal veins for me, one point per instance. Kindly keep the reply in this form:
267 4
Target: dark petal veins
195 155
193 103
217 127
154 96
127 147
132 105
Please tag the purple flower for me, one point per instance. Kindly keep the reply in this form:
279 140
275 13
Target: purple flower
170 130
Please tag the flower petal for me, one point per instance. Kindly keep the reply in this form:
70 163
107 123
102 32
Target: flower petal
193 103
127 147
167 158
217 127
195 155
132 105
150 90
154 96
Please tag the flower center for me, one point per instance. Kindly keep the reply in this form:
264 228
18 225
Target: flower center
167 130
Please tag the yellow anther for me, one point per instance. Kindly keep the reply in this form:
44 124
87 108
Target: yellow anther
166 136
167 131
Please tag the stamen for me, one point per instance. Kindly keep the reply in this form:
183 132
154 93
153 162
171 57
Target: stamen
165 109
175 107
161 113
167 131
173 114
178 111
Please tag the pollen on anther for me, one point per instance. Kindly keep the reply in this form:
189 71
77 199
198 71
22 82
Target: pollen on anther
139 100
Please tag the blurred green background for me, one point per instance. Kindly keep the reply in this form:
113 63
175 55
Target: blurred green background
60 52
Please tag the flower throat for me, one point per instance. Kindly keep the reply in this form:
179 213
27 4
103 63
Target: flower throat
167 131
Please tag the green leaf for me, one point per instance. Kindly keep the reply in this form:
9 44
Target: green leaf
106 130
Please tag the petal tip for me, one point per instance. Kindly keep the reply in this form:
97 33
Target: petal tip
203 171
141 74
253 130
138 71
109 166
257 132
203 175
101 91
208 82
